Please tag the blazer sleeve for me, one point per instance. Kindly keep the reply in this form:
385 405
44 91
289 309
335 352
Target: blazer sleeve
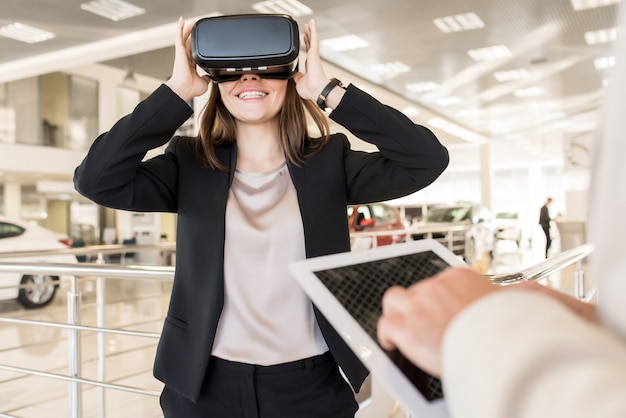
524 355
410 156
112 174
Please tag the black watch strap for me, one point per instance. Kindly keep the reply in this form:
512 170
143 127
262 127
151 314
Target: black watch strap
321 99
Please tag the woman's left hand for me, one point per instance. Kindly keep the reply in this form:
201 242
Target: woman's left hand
311 83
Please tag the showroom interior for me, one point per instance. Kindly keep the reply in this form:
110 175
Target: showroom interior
513 89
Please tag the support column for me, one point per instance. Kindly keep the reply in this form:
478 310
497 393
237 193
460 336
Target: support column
486 175
13 200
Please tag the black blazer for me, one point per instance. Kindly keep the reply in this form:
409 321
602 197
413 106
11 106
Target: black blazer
113 175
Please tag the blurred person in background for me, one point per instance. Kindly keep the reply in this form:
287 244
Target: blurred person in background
544 221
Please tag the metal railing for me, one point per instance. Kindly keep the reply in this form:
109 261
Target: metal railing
452 237
77 272
98 271
365 239
551 265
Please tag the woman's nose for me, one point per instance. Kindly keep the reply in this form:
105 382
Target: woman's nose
249 76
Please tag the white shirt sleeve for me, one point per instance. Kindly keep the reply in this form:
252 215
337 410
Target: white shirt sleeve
535 358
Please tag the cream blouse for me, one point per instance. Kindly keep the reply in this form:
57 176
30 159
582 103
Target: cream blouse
267 318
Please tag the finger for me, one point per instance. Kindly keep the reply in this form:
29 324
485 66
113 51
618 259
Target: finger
307 35
396 300
313 34
187 30
384 333
179 31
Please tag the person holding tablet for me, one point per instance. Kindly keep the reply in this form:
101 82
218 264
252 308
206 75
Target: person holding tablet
528 351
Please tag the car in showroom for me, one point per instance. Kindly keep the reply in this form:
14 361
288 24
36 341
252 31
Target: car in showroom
508 227
467 229
17 235
375 224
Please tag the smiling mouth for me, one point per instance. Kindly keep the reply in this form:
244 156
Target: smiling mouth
252 95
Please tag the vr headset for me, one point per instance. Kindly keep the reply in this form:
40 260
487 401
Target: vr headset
228 46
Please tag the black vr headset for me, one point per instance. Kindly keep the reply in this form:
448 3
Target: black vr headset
228 46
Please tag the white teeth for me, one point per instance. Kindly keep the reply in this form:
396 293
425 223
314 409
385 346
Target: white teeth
251 94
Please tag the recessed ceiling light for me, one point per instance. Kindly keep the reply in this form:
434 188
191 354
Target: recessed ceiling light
25 33
290 7
422 87
489 53
604 62
592 4
601 36
345 43
511 75
529 92
458 23
390 69
448 101
454 129
114 10
411 111
468 113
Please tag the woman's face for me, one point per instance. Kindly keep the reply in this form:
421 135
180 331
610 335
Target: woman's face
253 99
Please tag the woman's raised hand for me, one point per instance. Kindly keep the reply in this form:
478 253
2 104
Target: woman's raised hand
311 83
185 80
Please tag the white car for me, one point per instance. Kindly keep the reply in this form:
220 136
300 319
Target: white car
17 235
467 229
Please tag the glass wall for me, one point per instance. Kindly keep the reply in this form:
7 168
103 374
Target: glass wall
69 111
7 116
56 110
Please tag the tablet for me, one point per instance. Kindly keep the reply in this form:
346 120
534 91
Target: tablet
348 288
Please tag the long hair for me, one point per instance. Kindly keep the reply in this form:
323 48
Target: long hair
217 128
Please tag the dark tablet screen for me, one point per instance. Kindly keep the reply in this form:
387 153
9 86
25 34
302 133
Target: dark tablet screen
360 288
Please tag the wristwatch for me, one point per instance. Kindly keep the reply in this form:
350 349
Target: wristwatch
321 99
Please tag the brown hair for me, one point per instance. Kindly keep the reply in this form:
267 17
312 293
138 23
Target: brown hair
217 128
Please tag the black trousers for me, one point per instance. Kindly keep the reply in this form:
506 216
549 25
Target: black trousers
309 388
546 230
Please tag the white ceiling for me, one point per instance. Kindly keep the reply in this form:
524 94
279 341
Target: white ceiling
545 37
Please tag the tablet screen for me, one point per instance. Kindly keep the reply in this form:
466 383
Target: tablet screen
360 288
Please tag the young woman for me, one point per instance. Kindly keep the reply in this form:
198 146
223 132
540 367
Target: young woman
254 192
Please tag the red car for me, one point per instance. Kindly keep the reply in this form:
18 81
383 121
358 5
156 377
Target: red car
375 224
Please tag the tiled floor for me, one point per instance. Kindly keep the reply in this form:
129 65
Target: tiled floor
139 305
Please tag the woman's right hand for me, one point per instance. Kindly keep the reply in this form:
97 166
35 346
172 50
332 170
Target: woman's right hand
185 80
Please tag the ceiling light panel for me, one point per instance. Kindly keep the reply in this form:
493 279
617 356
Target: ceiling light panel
25 33
489 53
422 87
604 62
512 75
592 4
411 111
345 43
390 69
454 129
601 36
459 23
529 92
114 10
448 101
290 7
